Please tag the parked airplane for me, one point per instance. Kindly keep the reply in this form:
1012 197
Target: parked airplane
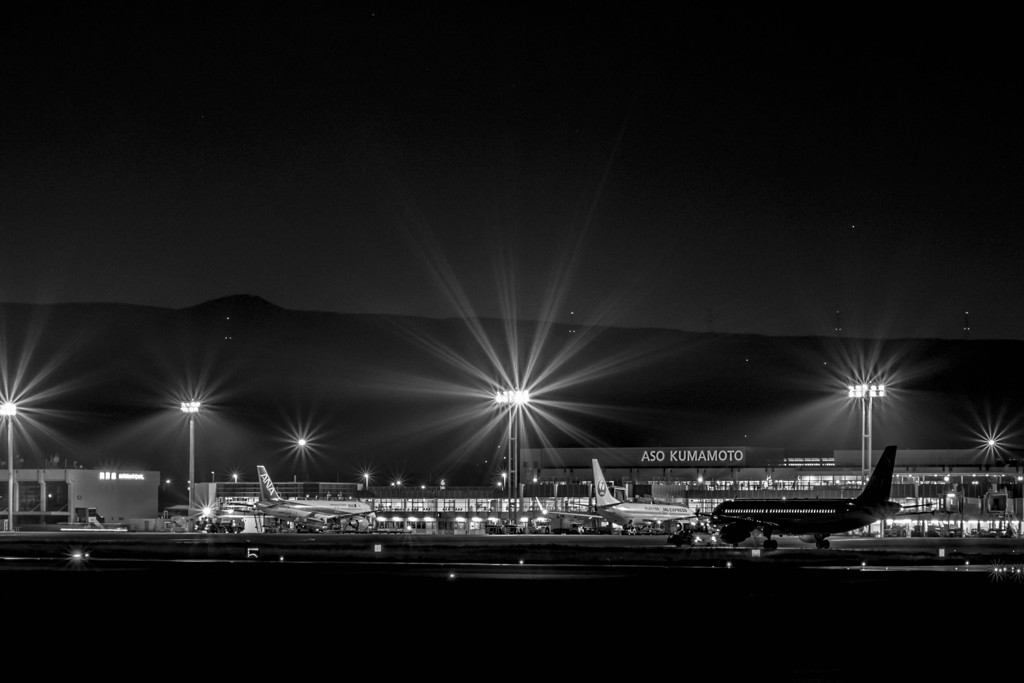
314 514
812 519
630 516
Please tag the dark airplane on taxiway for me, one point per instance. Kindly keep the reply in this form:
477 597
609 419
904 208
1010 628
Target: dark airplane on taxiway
812 519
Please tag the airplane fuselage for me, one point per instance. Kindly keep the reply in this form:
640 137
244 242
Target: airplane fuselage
818 518
626 514
317 513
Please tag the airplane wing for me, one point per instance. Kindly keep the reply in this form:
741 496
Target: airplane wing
577 515
662 520
346 515
566 513
746 522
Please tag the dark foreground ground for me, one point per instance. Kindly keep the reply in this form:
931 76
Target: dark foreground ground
636 602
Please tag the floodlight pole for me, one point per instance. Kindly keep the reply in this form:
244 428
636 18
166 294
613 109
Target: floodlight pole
8 410
191 408
515 400
866 394
10 473
303 444
191 463
511 459
519 493
874 391
865 440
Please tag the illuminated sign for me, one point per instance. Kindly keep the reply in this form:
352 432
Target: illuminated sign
122 476
685 455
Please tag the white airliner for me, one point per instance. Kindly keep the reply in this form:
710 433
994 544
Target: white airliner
629 516
318 515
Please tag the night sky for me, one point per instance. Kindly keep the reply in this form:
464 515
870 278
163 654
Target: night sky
627 164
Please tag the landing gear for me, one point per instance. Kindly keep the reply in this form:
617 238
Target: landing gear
771 544
821 542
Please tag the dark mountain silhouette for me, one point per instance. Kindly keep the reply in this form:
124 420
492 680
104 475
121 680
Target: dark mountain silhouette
100 385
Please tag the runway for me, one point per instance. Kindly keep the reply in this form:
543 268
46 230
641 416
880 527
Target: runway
600 552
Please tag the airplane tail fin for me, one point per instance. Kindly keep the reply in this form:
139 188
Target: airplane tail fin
602 495
879 486
268 492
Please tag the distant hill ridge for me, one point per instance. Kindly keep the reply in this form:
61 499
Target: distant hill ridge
412 391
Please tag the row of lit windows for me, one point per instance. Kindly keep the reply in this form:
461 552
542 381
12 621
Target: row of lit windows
483 507
779 510
30 496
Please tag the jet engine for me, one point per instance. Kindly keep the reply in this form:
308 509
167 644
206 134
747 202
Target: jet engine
734 534
358 524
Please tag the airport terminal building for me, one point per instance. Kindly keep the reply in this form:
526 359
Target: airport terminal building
964 487
968 490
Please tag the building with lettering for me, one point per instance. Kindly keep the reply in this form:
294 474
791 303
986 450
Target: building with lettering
68 496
